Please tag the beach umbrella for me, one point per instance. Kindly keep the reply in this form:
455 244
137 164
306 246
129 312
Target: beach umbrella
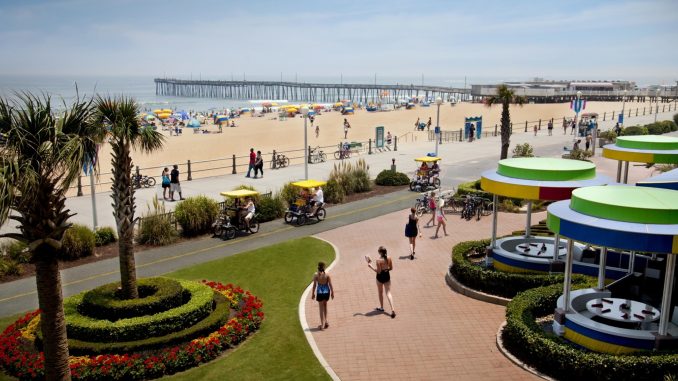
163 115
148 117
182 115
166 110
267 104
220 118
193 123
157 111
273 104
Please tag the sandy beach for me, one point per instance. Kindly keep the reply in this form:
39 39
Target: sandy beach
267 133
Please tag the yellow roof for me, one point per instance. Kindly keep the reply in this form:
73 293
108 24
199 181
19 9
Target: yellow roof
427 159
309 183
240 193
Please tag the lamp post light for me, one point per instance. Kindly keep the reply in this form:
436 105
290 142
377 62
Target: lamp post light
304 112
437 137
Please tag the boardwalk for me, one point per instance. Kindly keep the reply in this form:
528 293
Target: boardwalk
437 334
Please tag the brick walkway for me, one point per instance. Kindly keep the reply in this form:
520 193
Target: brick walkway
437 334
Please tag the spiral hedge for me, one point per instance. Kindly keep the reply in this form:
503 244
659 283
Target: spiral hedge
211 318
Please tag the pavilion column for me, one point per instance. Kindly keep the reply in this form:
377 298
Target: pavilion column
666 295
632 261
556 247
568 276
619 170
626 172
494 220
528 230
601 268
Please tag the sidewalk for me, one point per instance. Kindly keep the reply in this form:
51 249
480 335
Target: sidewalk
437 334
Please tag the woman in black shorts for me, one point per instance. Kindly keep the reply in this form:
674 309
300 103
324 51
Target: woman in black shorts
384 266
322 292
411 230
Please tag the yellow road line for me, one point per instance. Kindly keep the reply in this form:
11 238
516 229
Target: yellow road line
194 252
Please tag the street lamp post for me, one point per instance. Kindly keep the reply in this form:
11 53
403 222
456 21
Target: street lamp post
437 137
304 112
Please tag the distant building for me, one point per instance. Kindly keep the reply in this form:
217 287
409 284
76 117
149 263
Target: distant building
539 88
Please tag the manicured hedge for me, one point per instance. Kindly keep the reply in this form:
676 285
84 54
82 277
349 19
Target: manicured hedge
82 327
496 282
525 339
157 295
634 130
391 178
78 242
214 320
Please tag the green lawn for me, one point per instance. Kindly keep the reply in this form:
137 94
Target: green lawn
277 274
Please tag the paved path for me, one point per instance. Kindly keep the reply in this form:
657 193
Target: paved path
437 334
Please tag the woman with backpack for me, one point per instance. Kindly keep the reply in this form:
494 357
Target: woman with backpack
322 292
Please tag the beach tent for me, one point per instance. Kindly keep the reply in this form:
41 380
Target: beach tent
193 123
182 115
220 119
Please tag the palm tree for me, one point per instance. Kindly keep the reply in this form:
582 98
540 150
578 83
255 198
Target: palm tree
505 96
41 156
120 118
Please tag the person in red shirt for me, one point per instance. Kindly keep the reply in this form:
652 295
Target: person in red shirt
253 160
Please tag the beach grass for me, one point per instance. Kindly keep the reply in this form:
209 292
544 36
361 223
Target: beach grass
278 275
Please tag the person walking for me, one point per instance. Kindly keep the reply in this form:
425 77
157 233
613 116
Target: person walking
442 220
253 159
416 125
317 131
550 127
383 268
412 230
428 124
573 124
535 130
258 165
432 206
322 292
165 178
175 185
589 139
346 127
564 126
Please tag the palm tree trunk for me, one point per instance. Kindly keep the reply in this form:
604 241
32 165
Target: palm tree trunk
52 319
123 199
505 130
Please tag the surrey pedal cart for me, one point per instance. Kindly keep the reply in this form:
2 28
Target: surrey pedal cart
239 214
427 174
305 206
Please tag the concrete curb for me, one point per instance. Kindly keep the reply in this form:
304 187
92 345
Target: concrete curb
515 360
471 293
304 323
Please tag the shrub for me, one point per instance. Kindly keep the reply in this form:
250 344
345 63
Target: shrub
9 266
333 192
665 167
213 321
155 295
634 130
196 215
472 188
104 236
353 178
78 242
391 178
675 119
525 339
496 282
608 135
156 227
523 150
82 327
507 205
579 154
16 250
288 193
655 128
362 177
270 208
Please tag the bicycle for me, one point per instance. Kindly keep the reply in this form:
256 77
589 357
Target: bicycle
476 206
342 154
143 181
317 156
421 206
280 161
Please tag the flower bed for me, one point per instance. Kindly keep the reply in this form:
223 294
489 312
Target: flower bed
554 356
20 358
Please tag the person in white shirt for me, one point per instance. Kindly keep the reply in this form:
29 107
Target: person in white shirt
318 199
249 209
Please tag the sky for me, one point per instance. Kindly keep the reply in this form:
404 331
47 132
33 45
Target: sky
261 39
